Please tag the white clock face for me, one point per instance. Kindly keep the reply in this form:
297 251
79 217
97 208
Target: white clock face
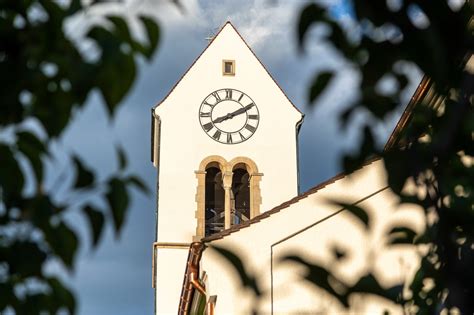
229 116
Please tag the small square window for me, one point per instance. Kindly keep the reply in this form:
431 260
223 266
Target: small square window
228 67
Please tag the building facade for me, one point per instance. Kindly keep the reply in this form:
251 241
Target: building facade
225 148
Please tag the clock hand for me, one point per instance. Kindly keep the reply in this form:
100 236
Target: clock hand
235 113
241 110
221 119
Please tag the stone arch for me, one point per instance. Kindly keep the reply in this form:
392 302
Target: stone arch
227 171
213 159
250 165
200 213
255 178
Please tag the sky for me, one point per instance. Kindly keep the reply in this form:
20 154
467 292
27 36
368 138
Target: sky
116 277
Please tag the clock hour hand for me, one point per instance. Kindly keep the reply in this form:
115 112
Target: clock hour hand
235 113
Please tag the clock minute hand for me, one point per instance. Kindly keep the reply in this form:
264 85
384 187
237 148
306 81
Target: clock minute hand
235 113
222 118
241 110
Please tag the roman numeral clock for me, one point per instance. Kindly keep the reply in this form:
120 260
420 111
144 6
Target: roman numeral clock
229 116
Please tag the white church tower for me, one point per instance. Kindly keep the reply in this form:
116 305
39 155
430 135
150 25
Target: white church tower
225 148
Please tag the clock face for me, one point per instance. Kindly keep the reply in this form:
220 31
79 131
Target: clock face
229 116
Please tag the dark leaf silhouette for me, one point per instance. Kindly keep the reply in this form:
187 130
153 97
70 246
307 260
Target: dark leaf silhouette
322 278
96 223
248 281
84 176
117 198
138 183
47 78
122 158
310 14
320 82
357 211
401 235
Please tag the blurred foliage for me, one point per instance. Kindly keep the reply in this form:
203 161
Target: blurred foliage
433 151
45 79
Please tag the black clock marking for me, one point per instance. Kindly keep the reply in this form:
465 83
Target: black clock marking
225 118
228 94
216 96
250 128
217 135
209 104
207 127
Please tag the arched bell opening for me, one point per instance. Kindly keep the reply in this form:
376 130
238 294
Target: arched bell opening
214 200
227 193
240 196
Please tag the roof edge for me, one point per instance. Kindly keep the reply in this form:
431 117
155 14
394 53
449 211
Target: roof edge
265 68
286 204
208 45
192 64
420 92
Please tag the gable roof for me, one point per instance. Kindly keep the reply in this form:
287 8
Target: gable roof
210 43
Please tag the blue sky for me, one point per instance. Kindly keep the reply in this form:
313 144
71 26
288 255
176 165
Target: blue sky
116 278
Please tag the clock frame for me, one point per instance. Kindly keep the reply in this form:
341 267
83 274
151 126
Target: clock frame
229 116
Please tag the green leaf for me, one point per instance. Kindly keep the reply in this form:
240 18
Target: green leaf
248 281
122 158
64 242
153 33
401 235
32 148
340 41
61 296
96 223
116 69
29 139
402 80
24 258
312 13
11 176
8 296
320 82
357 211
397 170
138 183
121 28
74 7
84 176
117 198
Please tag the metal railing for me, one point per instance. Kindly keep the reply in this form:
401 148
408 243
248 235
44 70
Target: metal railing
215 224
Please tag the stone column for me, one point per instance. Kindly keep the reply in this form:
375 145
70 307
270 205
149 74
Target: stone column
227 182
200 202
255 194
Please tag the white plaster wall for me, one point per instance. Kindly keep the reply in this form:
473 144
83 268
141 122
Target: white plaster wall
366 251
170 267
183 145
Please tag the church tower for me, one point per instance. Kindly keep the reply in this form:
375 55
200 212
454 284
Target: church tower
224 142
